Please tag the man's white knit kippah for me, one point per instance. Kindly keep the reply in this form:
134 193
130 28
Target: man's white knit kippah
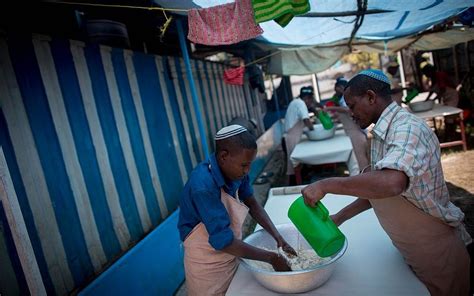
229 131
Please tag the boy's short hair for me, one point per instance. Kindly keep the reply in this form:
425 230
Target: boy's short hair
238 142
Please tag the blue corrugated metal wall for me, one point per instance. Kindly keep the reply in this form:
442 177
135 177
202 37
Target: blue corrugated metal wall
99 143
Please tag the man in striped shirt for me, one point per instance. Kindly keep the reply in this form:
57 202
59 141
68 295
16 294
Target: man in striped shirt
405 187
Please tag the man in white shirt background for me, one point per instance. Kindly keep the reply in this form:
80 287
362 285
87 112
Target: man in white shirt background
296 118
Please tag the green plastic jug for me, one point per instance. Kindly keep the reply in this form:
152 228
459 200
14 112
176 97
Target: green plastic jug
411 95
325 119
316 227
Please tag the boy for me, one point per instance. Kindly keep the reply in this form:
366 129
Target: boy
214 204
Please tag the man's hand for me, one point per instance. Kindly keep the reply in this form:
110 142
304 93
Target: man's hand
337 219
313 193
279 263
286 247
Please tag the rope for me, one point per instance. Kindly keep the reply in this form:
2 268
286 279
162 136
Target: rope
118 6
361 8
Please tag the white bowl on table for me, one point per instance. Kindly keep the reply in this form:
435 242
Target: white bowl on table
319 132
421 106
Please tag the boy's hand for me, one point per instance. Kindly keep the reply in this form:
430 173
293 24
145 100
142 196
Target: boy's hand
279 263
286 247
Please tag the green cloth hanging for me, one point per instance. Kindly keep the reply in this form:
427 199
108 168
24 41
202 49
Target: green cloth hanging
282 11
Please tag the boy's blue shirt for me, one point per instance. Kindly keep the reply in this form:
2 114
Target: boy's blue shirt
200 201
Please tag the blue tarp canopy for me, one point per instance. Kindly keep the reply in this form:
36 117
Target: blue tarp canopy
313 42
404 18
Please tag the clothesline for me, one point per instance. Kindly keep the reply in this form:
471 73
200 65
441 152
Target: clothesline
278 51
150 8
118 6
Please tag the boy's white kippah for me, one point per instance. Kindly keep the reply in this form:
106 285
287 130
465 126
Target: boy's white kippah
229 131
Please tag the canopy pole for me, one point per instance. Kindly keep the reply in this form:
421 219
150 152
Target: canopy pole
184 49
402 72
455 62
277 105
314 80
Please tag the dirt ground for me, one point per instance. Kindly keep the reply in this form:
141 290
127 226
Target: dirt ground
458 170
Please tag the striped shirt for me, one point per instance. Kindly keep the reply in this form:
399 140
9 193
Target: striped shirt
404 142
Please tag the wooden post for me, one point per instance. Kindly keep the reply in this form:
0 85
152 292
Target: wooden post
314 80
402 71
194 96
455 61
274 92
18 229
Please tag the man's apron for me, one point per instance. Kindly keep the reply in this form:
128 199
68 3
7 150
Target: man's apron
433 249
292 138
209 271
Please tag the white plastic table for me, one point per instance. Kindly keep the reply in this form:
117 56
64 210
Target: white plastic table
334 150
370 266
442 111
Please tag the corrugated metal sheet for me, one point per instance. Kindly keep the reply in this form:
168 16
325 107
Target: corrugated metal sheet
99 143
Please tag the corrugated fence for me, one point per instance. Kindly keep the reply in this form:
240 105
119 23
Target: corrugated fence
99 142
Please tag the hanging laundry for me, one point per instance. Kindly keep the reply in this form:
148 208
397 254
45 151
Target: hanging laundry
223 24
234 75
282 11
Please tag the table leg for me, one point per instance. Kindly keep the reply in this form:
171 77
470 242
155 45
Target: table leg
299 179
458 142
463 131
434 125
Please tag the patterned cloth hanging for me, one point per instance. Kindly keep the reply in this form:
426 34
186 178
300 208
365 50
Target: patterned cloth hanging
282 11
223 24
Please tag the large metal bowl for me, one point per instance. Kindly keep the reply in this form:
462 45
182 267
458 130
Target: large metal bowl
299 281
320 133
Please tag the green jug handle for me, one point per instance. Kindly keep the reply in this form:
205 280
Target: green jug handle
324 211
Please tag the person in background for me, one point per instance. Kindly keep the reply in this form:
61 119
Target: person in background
396 85
442 85
337 99
213 206
250 125
405 186
296 118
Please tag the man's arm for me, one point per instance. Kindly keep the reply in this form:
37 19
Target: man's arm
338 109
308 124
355 208
373 185
262 218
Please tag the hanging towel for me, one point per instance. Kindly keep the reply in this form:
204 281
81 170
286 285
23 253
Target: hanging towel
234 75
282 11
223 24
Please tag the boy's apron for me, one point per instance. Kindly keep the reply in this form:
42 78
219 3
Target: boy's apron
433 249
292 138
209 271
